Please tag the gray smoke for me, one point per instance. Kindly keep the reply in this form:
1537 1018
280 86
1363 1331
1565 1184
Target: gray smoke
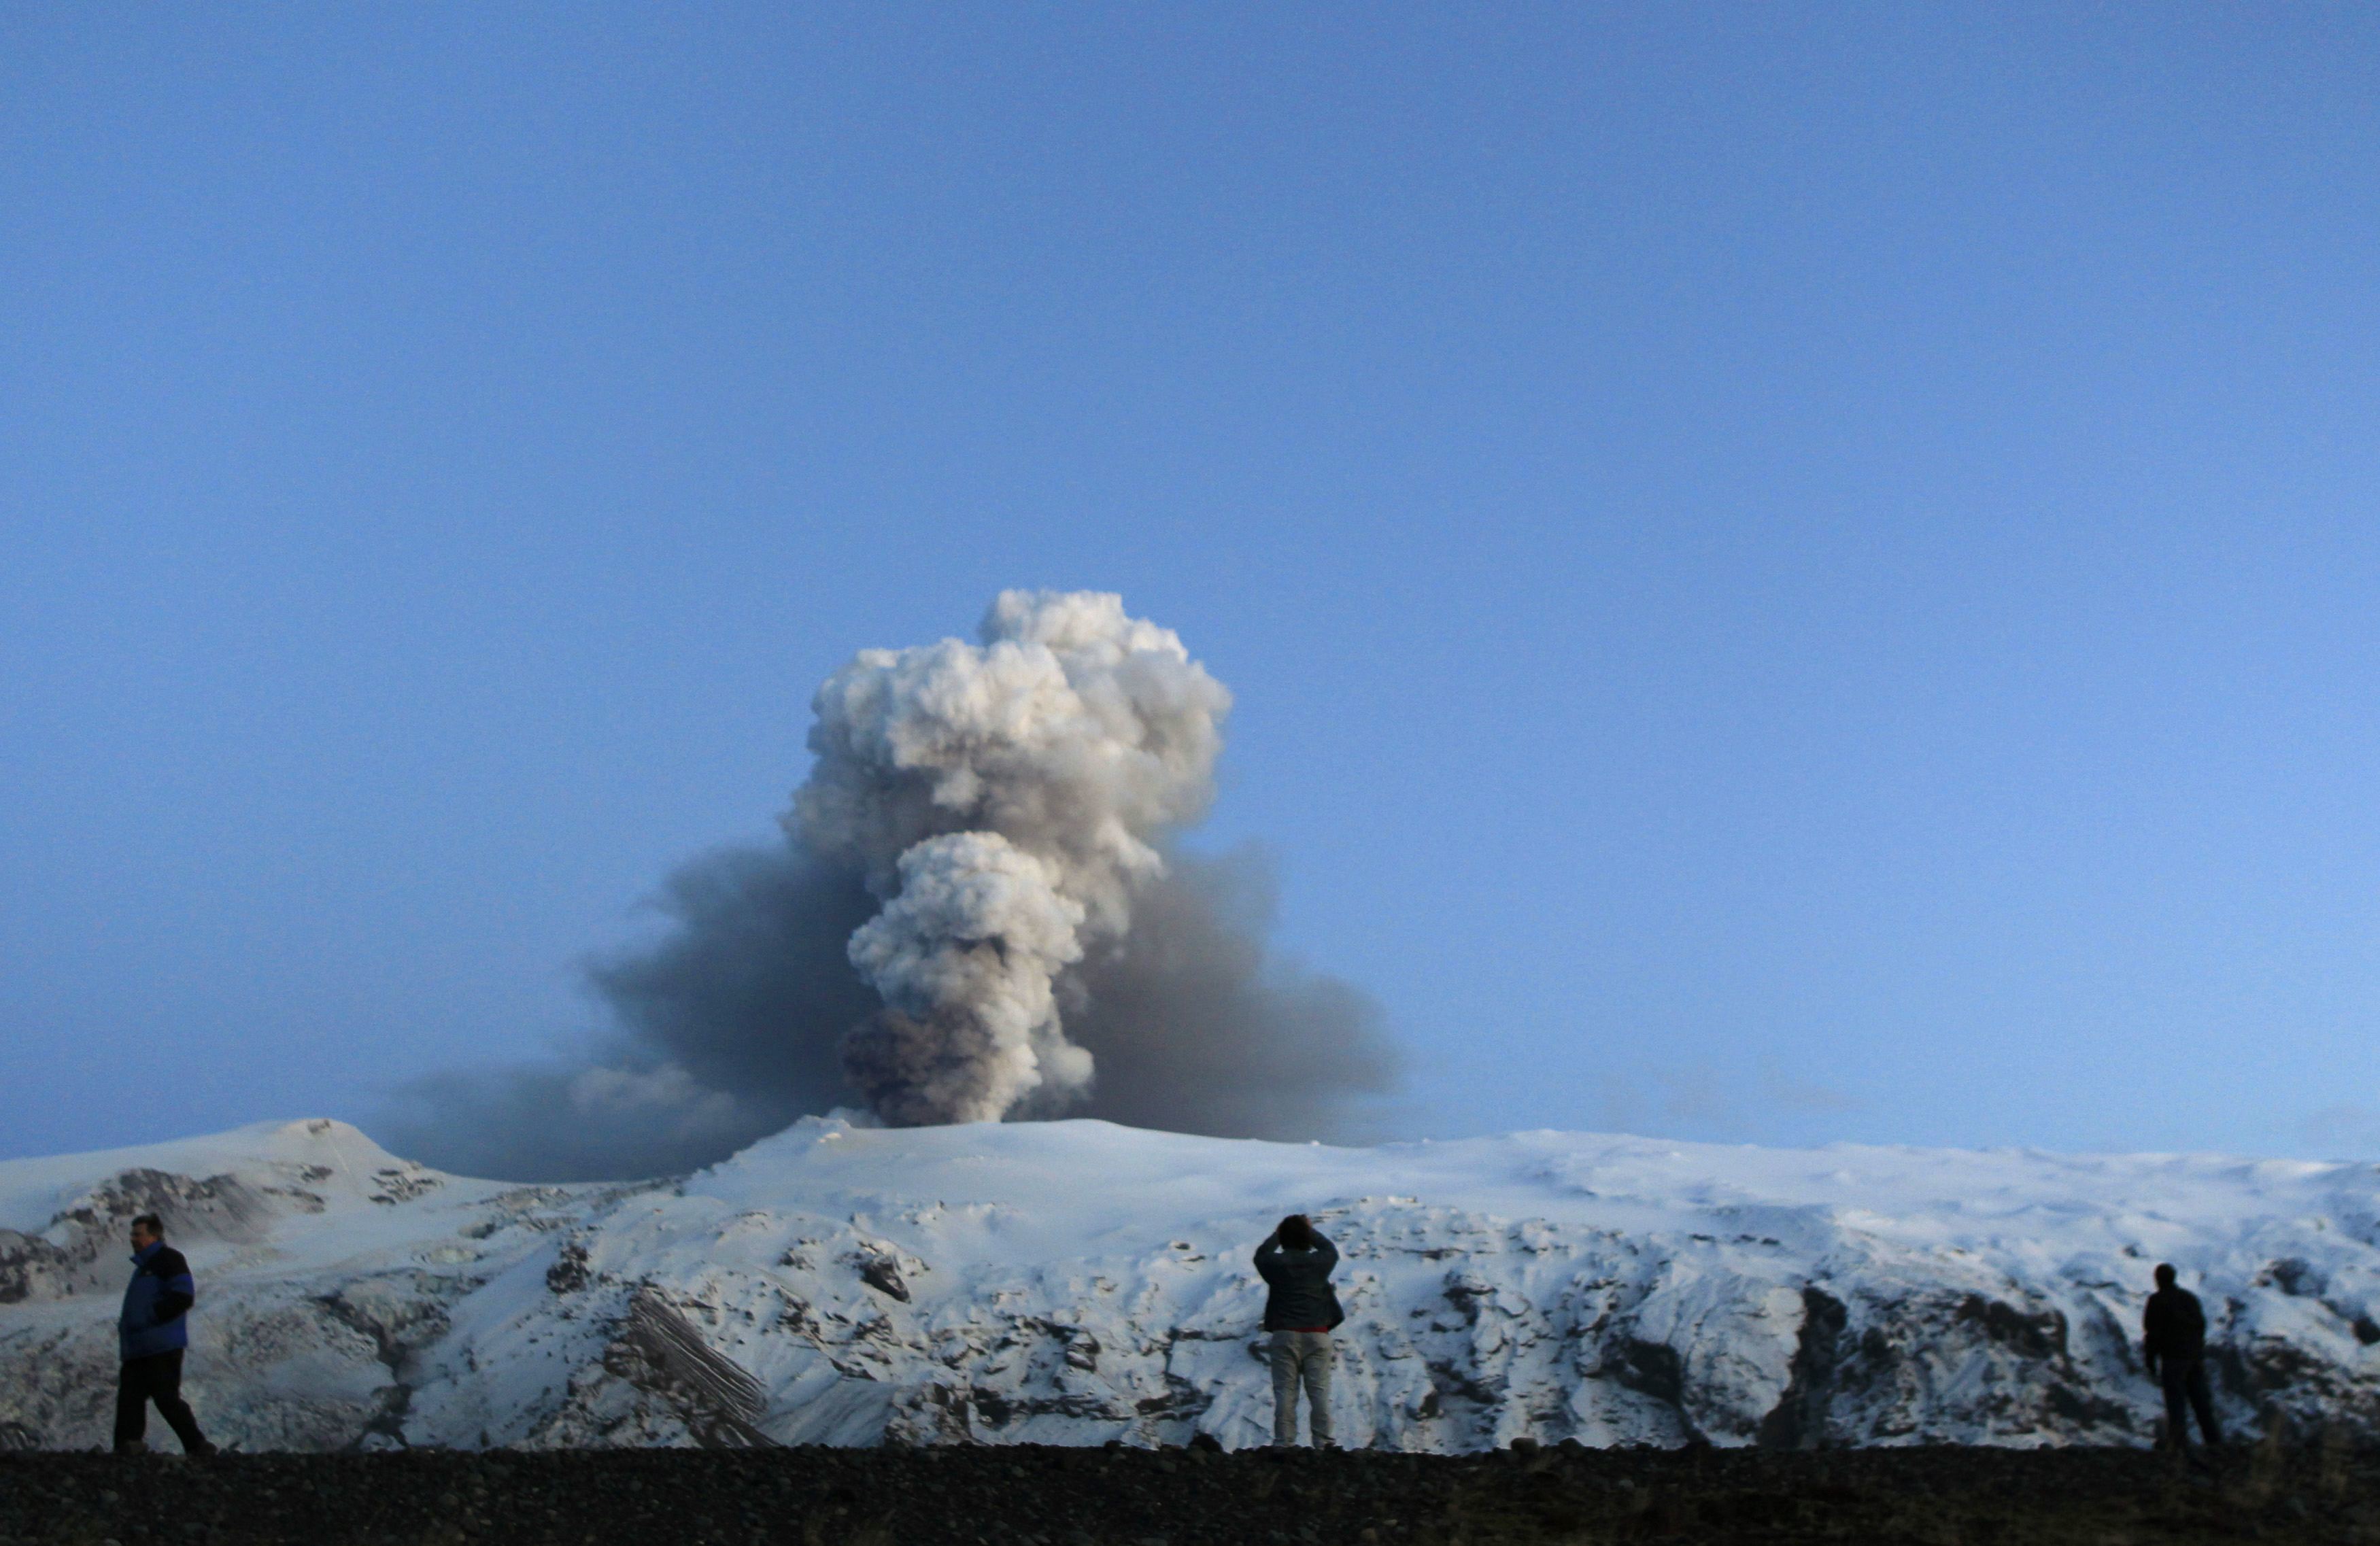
978 912
966 957
726 1029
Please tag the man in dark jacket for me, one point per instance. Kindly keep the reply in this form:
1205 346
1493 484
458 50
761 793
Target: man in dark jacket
1295 1263
151 1334
2175 1343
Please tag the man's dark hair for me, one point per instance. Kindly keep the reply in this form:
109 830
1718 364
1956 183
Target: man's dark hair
152 1222
2165 1275
1296 1233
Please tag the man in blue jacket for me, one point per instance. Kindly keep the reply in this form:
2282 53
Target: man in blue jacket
151 1334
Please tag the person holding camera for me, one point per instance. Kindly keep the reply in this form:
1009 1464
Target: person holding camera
1295 1262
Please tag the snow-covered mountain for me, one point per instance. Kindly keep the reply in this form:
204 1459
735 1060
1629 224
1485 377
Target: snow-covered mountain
1074 1282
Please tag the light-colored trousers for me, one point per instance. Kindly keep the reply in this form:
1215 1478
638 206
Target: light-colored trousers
1301 1355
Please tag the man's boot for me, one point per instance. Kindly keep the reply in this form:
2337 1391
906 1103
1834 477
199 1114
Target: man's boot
132 1446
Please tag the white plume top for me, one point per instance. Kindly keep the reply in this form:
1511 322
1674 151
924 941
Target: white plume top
1018 786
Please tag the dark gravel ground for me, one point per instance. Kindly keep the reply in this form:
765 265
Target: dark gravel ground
2312 1493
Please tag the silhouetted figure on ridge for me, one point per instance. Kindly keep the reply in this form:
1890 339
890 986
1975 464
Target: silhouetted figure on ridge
1295 1263
150 1334
2175 1343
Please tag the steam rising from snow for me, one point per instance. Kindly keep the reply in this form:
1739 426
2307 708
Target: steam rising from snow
978 913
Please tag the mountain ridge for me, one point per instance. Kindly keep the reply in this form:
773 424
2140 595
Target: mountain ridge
1076 1282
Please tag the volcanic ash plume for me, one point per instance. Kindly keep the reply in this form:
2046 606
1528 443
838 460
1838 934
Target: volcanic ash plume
965 959
1004 800
973 906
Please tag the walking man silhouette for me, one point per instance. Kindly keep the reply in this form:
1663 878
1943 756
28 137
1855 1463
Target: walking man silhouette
151 1334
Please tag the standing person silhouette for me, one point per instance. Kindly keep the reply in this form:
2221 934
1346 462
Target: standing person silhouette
1295 1263
2174 1340
151 1332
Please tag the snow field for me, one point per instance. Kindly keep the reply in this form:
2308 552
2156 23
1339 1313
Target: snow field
1075 1282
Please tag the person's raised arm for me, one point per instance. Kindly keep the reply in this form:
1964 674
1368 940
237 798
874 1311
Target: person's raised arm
1324 1251
1269 1256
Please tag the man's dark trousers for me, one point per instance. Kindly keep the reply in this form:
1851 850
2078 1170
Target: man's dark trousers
155 1377
2185 1380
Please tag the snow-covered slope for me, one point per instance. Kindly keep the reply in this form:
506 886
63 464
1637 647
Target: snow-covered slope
1073 1282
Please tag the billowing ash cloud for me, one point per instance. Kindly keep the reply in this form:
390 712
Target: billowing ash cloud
976 913
1004 800
966 957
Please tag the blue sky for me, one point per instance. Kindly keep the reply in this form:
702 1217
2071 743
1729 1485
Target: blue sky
1791 574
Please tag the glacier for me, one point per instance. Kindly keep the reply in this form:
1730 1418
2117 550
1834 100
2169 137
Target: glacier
1076 1282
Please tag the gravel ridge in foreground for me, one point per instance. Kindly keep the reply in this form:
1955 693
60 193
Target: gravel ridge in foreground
1022 1496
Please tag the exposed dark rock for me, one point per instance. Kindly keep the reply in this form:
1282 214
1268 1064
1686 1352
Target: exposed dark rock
2292 1276
30 1264
82 1247
1799 1420
658 1351
569 1273
1653 1369
2039 1335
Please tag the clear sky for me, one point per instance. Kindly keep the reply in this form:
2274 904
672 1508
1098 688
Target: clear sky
1791 573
